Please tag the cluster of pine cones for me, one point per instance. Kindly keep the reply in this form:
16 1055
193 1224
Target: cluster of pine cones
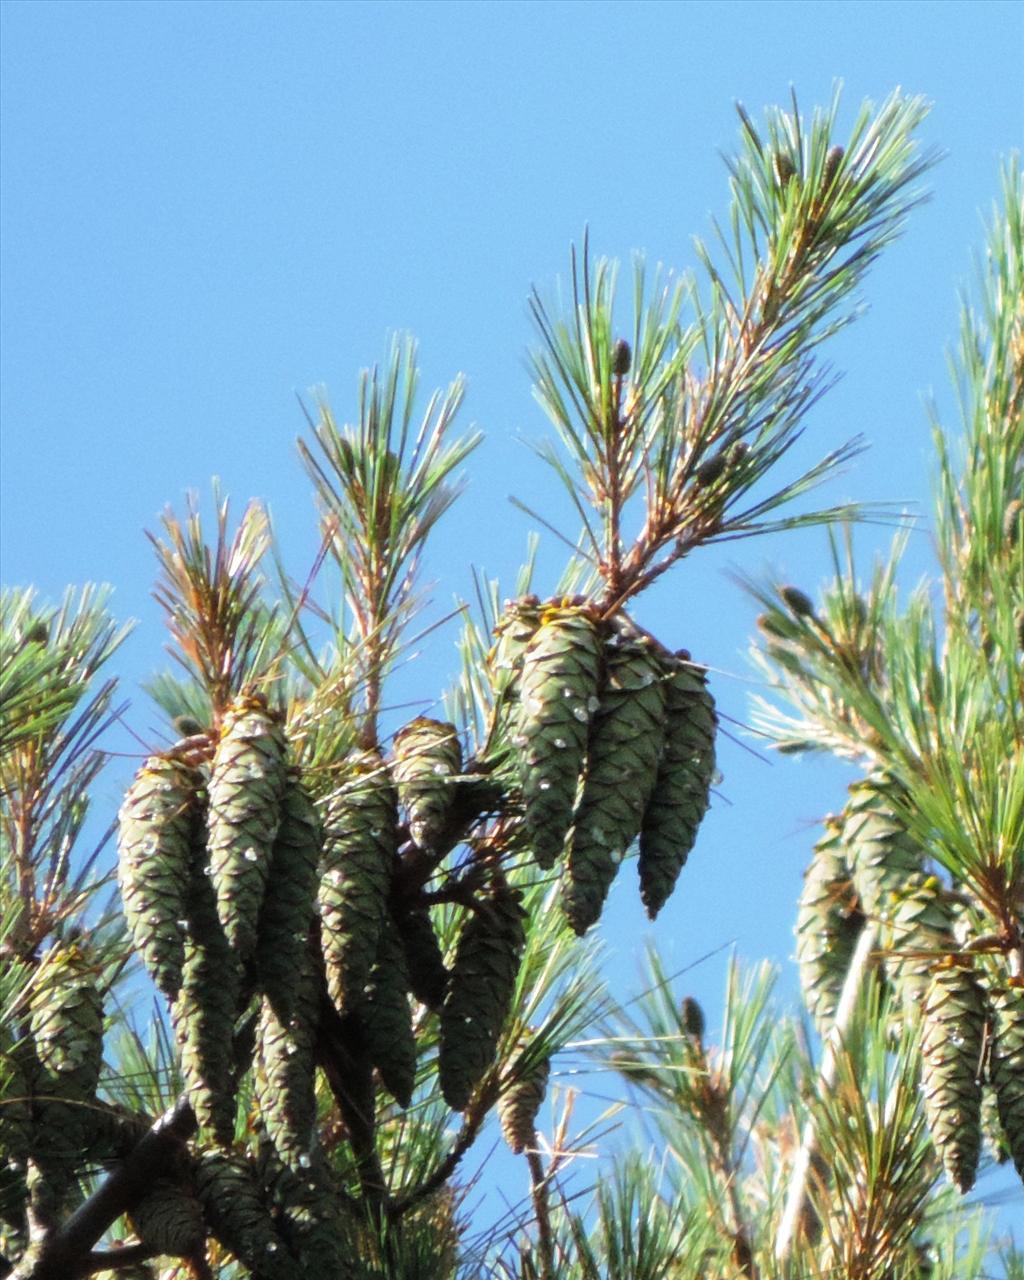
613 738
970 1009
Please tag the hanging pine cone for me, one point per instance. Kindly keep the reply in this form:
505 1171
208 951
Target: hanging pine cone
881 855
155 837
953 1024
624 748
513 632
66 1027
387 1017
828 924
480 992
203 1014
919 931
168 1219
1006 1064
247 784
558 696
238 1217
288 911
682 789
284 1075
428 755
308 1214
519 1105
991 1126
360 847
428 977
16 1072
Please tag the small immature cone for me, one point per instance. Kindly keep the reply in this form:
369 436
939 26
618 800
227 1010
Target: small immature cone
289 905
168 1219
518 1108
626 738
360 847
683 785
1006 1065
483 980
881 855
247 785
558 696
234 1208
953 1024
428 756
828 924
387 1017
155 837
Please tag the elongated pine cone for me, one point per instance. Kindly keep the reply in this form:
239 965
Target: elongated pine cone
247 784
156 827
953 1026
483 979
881 854
360 848
918 932
428 755
558 696
428 977
518 1107
1006 1065
234 1208
387 1017
683 785
625 745
168 1219
828 924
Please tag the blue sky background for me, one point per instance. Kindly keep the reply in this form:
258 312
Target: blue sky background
208 208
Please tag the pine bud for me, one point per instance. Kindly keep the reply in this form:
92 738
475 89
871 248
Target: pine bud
832 162
797 601
186 726
708 472
622 358
784 168
692 1017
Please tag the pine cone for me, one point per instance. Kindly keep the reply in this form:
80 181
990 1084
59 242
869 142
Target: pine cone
360 847
247 785
919 931
238 1217
682 788
558 696
480 992
308 1212
427 756
953 1023
518 1107
284 1075
1006 1065
387 1018
428 977
828 924
513 632
168 1219
881 855
155 837
625 745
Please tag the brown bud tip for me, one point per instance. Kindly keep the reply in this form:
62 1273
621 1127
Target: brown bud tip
771 624
797 601
738 452
622 358
186 726
36 633
784 168
1012 518
708 472
693 1017
832 163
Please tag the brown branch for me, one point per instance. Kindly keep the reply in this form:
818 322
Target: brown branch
539 1194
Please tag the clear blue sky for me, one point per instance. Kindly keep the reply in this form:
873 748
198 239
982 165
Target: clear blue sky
208 207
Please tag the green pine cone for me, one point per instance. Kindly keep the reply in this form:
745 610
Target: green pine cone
238 1217
247 784
203 1014
953 1025
428 977
626 739
918 931
428 755
518 1108
155 837
682 789
168 1219
881 855
284 1075
828 924
360 847
513 632
1006 1065
483 979
308 1214
16 1072
558 696
386 1017
289 906
991 1126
